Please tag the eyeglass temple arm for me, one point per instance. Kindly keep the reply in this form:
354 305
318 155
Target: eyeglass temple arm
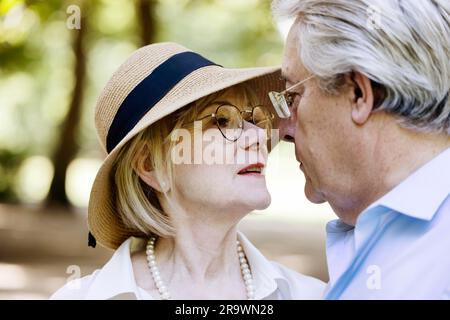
296 85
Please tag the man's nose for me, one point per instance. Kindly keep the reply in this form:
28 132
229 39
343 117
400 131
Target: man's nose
287 128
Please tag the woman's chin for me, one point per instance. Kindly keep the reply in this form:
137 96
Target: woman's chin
260 202
264 206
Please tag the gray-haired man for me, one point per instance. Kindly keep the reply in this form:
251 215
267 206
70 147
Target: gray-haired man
370 118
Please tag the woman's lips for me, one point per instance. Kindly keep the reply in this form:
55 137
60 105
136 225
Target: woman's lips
255 170
252 174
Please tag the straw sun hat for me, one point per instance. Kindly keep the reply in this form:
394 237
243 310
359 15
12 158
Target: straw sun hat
153 82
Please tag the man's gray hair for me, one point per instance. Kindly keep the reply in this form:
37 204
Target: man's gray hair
401 45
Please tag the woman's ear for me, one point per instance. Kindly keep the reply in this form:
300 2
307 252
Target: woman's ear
144 170
363 102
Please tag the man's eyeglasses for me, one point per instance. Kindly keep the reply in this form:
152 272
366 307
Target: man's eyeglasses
282 101
229 119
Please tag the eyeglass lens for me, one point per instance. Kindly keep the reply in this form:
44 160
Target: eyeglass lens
230 120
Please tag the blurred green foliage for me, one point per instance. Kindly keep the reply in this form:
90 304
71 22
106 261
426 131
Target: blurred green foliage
10 161
36 60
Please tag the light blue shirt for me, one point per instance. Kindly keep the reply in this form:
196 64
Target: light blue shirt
400 246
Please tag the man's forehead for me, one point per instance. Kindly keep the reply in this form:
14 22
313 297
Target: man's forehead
292 69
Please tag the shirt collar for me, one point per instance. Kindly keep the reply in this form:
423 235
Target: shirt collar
423 192
266 277
116 278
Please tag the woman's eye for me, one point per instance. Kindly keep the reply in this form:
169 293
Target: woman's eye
222 122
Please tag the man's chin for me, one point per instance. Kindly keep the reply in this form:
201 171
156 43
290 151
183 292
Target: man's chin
313 196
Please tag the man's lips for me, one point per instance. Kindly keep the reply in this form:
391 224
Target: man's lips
299 161
253 169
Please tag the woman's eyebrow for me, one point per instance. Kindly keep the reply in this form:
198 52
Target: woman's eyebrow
219 102
213 104
210 108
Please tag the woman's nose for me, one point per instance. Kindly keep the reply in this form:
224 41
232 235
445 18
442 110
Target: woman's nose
253 137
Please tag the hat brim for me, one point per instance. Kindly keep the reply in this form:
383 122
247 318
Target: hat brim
104 222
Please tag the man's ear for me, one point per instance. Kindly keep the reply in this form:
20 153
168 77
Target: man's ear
143 168
363 102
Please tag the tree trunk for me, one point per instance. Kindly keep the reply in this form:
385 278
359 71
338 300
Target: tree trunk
147 21
67 147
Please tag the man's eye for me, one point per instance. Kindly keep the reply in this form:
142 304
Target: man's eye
290 97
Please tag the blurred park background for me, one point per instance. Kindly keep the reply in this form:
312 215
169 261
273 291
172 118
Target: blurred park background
52 68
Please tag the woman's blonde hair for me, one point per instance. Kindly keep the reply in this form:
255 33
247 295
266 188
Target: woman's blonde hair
137 203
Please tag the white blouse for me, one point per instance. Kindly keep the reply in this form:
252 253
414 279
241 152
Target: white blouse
116 279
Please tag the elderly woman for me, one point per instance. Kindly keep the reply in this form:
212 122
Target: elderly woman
187 147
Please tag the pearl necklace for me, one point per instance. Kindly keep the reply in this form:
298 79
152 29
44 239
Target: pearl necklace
164 292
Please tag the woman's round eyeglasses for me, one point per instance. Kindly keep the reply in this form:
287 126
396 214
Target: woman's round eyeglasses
229 119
